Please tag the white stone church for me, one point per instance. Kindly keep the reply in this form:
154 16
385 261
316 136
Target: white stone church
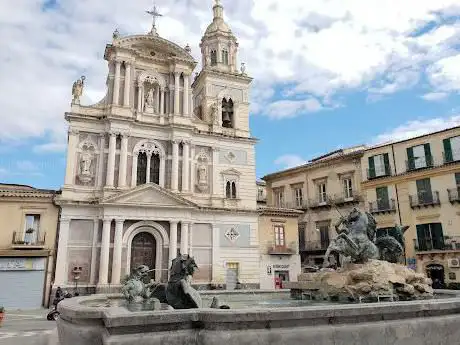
163 164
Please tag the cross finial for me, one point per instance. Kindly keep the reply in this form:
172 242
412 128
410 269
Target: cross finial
154 13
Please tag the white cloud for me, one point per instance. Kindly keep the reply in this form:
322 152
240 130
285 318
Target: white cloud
289 161
434 96
308 50
416 128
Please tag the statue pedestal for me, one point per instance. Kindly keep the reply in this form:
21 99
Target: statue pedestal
148 109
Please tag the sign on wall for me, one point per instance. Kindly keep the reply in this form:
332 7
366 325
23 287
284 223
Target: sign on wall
269 270
22 264
281 267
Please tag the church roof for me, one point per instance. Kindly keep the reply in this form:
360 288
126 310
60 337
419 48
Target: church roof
218 24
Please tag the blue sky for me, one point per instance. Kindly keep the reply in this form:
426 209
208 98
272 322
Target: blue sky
326 74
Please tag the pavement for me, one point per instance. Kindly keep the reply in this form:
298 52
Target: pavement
21 327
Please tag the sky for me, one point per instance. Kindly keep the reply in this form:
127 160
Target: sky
327 73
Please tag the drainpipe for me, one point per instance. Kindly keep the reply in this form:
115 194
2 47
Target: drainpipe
397 200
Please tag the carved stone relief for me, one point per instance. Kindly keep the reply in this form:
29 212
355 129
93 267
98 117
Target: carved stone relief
86 170
202 172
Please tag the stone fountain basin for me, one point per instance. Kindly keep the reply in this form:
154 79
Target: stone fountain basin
427 322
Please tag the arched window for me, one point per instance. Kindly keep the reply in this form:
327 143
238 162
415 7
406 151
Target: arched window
227 113
142 168
228 190
225 57
233 190
213 57
155 169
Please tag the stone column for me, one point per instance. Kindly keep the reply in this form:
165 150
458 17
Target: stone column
186 96
172 242
60 277
94 252
190 240
134 171
215 180
162 170
116 83
139 98
149 163
184 238
123 161
176 93
185 166
71 157
111 161
192 168
105 253
117 247
162 101
175 166
126 94
157 98
100 170
171 100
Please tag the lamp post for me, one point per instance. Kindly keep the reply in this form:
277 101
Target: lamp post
76 272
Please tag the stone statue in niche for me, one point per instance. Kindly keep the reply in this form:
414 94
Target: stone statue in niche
85 174
149 101
77 90
202 177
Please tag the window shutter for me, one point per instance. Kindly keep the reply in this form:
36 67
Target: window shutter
410 158
386 161
437 235
371 167
448 156
421 239
428 157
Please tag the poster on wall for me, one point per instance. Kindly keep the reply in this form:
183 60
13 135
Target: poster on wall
412 263
22 264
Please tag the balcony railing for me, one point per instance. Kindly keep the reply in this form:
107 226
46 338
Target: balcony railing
34 239
274 249
377 173
346 198
446 243
454 195
382 206
317 203
311 246
430 198
419 163
451 157
298 205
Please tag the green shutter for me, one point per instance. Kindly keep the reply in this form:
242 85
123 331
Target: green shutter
428 157
448 157
386 161
371 167
421 239
410 158
437 236
382 198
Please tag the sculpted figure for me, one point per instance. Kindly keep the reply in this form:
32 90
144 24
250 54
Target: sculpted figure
202 177
149 98
135 289
85 164
77 90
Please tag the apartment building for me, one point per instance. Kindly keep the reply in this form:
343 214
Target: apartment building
416 182
324 189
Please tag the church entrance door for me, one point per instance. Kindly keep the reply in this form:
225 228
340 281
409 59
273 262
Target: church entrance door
143 251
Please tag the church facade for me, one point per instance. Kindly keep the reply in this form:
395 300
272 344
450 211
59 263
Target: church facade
163 164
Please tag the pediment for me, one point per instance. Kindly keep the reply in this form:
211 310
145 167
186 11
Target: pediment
231 171
149 195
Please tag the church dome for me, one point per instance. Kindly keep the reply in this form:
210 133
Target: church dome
218 24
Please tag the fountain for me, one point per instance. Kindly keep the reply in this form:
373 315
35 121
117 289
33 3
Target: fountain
142 316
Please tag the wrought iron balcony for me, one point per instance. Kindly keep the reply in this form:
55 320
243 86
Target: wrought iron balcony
445 243
274 249
30 240
419 163
382 206
454 195
378 173
312 246
347 198
424 199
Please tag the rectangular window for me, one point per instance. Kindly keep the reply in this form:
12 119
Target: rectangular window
430 236
347 188
213 57
279 236
31 228
225 57
451 149
457 179
424 193
419 157
379 165
298 196
322 196
383 200
323 229
279 198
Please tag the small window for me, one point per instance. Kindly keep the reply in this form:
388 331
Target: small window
213 57
452 276
279 198
225 57
322 196
347 188
227 113
32 227
298 195
230 190
279 236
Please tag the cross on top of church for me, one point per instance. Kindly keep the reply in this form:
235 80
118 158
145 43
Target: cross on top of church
155 14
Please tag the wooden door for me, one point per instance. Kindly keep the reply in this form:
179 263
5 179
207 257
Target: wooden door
143 251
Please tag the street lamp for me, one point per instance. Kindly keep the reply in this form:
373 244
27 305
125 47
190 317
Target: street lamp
76 272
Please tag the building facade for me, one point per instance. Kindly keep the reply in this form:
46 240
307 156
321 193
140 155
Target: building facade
416 183
324 189
28 226
162 165
279 247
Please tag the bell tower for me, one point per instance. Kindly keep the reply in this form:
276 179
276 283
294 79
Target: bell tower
221 90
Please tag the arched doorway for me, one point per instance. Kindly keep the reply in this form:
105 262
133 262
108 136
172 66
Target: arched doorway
436 273
143 251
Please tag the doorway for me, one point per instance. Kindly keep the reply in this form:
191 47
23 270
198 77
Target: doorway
436 273
143 252
280 278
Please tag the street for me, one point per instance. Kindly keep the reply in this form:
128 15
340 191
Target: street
28 327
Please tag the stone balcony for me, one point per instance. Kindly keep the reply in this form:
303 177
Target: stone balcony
24 240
